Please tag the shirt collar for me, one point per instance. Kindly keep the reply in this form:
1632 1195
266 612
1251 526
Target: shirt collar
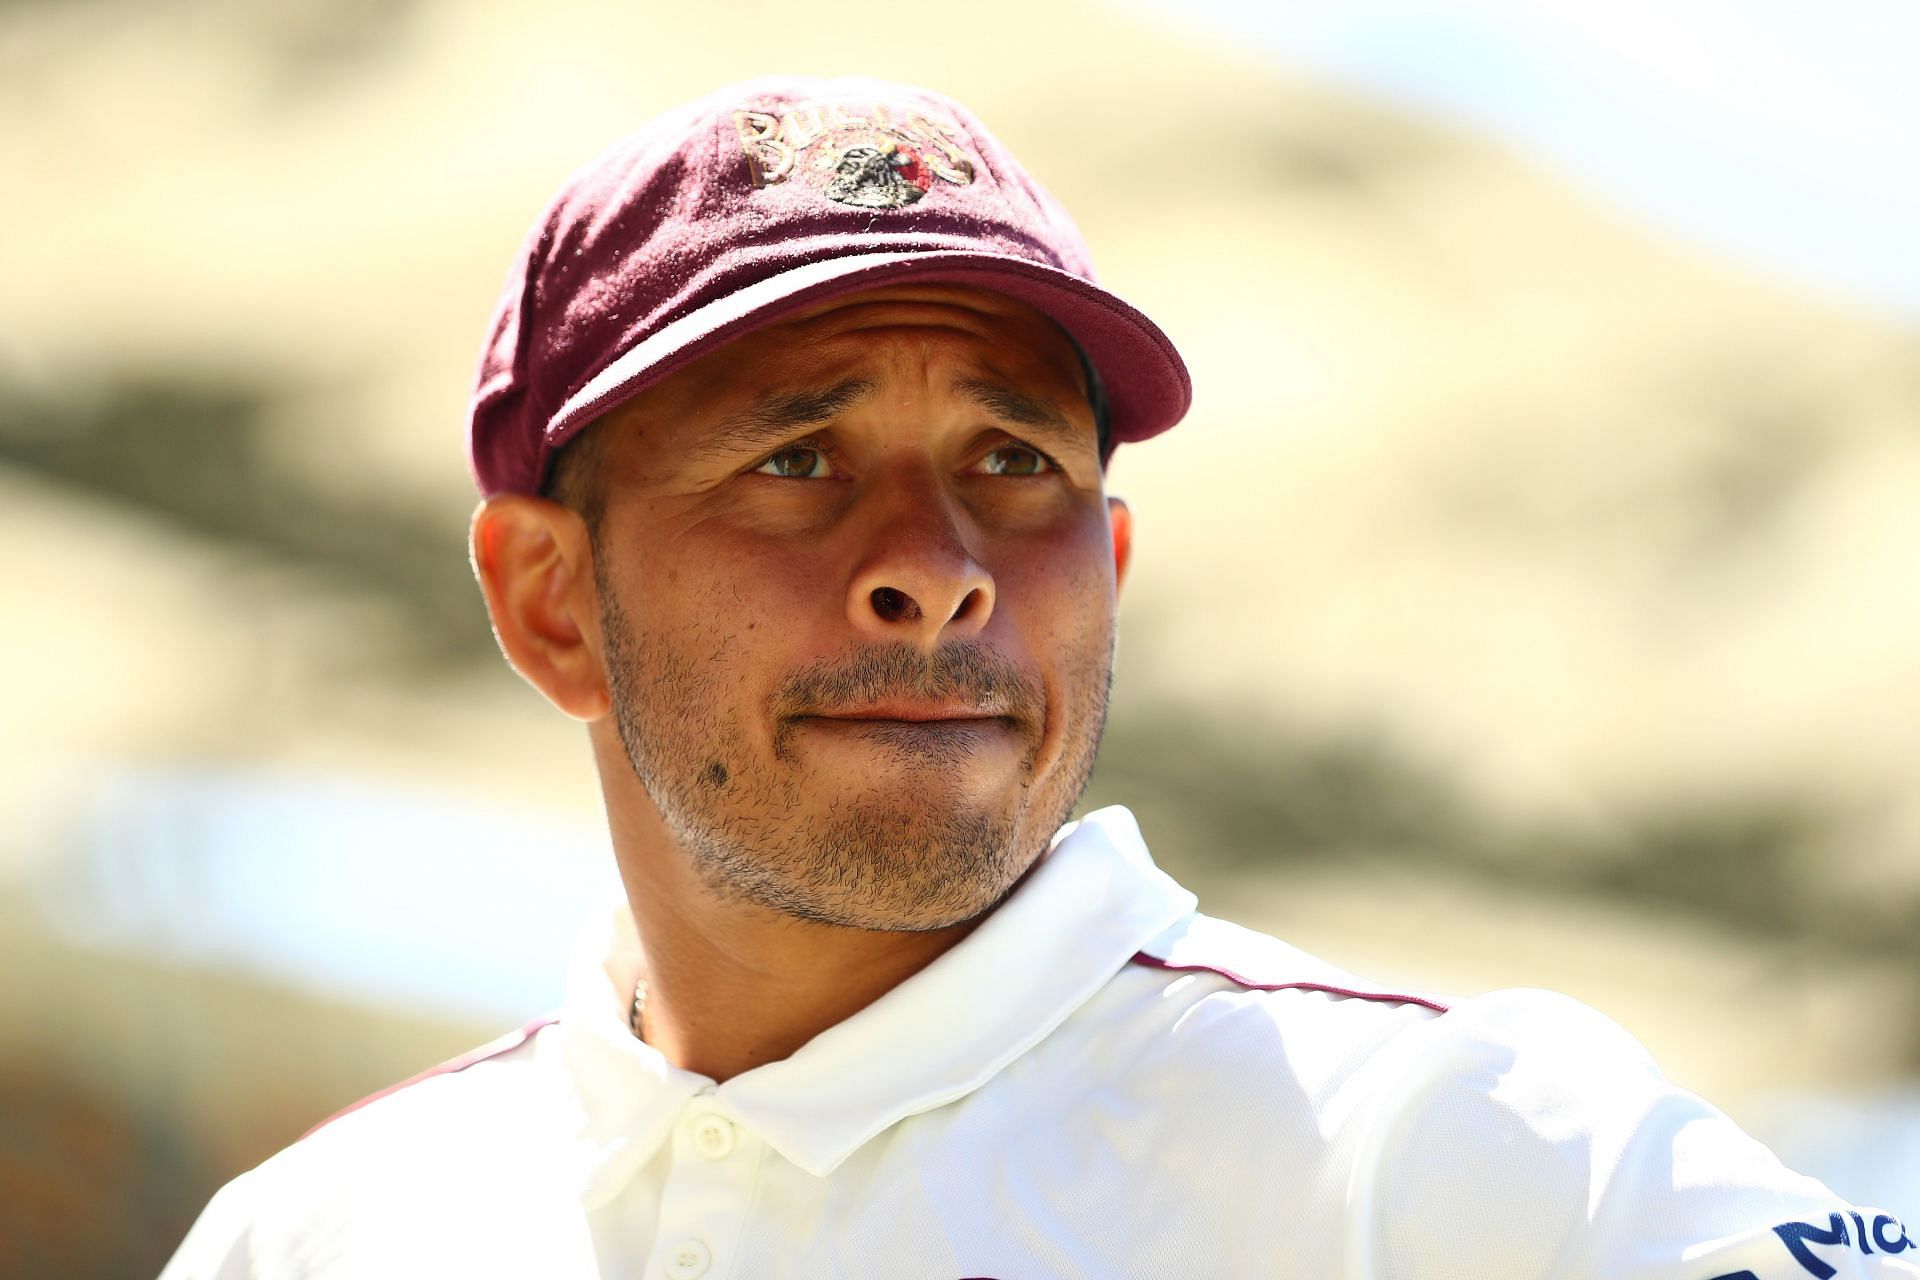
1091 903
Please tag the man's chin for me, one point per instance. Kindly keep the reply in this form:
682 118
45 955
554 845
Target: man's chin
900 859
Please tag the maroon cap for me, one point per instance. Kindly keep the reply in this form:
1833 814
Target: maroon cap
732 211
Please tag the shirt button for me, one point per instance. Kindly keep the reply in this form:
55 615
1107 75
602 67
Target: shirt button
688 1260
713 1136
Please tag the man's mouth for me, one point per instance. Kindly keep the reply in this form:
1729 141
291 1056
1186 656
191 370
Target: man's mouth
913 712
958 701
937 730
917 733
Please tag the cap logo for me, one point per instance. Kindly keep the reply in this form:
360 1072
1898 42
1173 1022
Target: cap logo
874 160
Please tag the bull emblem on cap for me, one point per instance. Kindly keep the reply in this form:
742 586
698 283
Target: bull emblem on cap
888 176
879 160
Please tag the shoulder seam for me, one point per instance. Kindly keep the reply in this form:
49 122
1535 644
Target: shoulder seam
1350 993
492 1049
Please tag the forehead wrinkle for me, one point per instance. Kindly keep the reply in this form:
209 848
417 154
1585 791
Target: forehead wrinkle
778 413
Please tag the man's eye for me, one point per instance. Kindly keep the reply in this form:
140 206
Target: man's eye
1016 460
801 462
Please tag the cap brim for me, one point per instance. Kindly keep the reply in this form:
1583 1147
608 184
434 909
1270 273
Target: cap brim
1147 386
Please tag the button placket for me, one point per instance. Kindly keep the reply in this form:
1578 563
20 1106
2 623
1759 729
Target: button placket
703 1204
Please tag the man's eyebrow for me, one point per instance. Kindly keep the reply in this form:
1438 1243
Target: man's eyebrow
1010 405
774 416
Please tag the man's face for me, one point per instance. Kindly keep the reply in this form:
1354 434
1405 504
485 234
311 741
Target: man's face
857 576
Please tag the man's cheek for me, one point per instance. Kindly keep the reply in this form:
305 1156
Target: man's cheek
784 578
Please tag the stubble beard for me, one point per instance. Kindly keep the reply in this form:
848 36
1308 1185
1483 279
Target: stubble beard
900 849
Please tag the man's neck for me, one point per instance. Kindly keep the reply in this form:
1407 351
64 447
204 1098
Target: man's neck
732 986
735 988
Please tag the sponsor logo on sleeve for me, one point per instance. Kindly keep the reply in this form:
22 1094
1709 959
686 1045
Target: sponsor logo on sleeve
1815 1246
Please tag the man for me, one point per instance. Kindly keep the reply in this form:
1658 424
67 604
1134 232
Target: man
792 428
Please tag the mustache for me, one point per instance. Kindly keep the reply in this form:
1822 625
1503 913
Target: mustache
957 670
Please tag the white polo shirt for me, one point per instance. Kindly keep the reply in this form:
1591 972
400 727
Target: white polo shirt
1097 1082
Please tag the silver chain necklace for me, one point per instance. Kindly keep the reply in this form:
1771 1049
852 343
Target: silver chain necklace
636 1017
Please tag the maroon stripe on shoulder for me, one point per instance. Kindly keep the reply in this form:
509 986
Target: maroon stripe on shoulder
1384 997
492 1049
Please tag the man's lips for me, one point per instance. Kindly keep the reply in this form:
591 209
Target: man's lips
912 713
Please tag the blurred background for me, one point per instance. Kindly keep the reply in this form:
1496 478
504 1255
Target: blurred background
1529 600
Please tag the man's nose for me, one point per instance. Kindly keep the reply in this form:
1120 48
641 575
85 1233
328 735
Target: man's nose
919 581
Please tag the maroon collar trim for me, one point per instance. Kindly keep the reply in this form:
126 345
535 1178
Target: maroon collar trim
492 1049
1351 993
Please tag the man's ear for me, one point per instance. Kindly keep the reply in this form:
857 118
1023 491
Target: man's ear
534 561
1120 518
